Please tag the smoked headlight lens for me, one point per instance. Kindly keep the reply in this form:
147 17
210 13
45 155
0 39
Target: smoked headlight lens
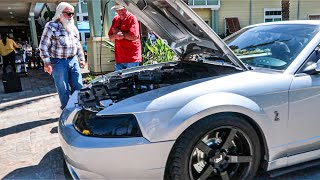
87 123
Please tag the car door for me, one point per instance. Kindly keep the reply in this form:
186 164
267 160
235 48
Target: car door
304 112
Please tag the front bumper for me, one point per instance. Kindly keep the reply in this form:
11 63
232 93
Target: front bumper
112 158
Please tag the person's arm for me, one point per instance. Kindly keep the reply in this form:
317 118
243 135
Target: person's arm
114 33
129 36
45 43
81 56
133 33
14 44
80 52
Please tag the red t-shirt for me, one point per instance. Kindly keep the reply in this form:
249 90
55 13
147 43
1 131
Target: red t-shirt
127 51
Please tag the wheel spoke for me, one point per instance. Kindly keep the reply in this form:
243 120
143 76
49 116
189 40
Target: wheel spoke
239 159
229 139
224 175
205 173
204 148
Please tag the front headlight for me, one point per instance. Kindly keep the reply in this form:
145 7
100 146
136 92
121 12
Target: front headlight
87 123
67 115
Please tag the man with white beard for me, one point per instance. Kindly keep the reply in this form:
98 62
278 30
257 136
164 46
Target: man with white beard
60 49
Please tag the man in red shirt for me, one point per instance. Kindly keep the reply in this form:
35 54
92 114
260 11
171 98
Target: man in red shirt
125 32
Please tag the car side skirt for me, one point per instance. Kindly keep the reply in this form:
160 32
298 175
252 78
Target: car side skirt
292 160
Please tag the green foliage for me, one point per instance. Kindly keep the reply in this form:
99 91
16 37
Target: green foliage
156 52
86 78
48 15
152 53
248 52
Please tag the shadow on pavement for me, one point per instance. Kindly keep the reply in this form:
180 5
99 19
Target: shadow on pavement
50 167
36 83
25 126
24 103
54 130
311 173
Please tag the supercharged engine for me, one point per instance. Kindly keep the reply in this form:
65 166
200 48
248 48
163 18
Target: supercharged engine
118 87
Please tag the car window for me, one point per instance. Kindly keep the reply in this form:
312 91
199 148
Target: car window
271 46
313 58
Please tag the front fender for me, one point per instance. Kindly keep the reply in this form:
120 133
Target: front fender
211 104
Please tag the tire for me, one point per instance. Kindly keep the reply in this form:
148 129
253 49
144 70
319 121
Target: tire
216 147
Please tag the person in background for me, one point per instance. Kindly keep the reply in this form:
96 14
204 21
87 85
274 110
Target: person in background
28 51
125 32
152 37
85 49
19 42
7 51
60 49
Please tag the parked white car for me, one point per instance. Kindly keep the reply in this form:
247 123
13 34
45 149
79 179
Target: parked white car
224 110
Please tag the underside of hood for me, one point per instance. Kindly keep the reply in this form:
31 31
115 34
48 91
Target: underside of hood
181 27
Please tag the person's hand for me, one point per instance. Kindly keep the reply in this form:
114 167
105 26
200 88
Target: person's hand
82 64
119 35
115 30
48 68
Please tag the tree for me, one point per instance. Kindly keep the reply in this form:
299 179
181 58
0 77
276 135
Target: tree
48 15
285 5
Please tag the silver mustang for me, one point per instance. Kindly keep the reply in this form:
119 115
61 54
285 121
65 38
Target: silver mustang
223 110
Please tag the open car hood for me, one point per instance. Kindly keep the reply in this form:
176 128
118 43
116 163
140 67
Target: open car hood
184 30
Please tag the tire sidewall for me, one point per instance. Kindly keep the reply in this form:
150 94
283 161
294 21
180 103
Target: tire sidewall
181 152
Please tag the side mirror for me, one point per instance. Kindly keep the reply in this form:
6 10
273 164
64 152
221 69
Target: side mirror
314 68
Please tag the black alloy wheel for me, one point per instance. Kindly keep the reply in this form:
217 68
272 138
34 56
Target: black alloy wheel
216 147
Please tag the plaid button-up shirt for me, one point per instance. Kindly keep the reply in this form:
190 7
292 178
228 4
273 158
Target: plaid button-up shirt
56 42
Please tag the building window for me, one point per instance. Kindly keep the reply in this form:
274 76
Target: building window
83 1
202 2
272 15
85 18
78 18
314 17
87 35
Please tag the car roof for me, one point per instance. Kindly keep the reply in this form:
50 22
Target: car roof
309 22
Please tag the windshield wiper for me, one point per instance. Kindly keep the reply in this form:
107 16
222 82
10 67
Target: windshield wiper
263 44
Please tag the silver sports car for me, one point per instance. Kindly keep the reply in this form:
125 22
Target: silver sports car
223 110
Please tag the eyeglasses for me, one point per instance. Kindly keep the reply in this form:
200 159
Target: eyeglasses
69 13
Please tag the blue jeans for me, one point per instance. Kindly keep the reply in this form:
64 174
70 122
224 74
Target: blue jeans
66 72
120 66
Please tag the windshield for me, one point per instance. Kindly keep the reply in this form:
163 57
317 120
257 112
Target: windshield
271 46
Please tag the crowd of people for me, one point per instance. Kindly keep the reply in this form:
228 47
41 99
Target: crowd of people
10 49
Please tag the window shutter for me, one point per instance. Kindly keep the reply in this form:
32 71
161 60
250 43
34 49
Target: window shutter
233 24
314 17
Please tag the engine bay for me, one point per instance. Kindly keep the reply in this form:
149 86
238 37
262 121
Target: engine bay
121 86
